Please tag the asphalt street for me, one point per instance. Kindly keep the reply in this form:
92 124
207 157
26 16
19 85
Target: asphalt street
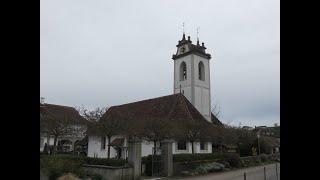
253 173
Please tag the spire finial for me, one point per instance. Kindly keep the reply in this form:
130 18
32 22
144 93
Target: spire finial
183 36
198 36
183 28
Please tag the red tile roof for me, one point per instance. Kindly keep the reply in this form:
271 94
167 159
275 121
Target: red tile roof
175 109
61 112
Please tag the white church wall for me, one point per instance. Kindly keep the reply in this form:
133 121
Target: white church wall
95 150
146 148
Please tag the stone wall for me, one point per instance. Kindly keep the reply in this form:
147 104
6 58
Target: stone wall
43 176
111 173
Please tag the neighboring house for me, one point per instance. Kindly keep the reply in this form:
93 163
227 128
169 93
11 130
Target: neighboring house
65 142
247 128
272 135
268 131
191 100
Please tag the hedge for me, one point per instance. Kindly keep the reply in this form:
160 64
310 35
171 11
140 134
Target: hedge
195 157
57 165
87 160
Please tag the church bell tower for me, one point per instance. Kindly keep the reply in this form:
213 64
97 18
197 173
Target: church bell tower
192 74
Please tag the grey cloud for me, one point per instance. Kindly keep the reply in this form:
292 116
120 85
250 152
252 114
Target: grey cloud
102 53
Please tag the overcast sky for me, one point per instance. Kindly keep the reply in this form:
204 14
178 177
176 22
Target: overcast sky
100 53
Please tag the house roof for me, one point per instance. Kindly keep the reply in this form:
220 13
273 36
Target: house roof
174 109
215 120
61 112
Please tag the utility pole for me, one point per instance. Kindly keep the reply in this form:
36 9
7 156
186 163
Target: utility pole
258 136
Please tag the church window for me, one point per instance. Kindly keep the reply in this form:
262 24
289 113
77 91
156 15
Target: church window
182 145
103 142
201 71
183 71
203 146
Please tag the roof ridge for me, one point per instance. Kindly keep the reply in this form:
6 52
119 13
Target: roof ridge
144 100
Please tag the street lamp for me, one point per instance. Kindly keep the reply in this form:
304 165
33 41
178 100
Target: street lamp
258 136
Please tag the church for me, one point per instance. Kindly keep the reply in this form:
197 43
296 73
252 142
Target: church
190 102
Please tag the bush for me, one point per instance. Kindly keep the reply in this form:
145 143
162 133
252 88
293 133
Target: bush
201 170
264 158
195 157
233 159
57 165
105 161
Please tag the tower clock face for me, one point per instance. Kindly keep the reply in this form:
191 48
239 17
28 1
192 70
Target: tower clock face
182 50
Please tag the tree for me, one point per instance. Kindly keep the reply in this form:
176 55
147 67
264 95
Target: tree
56 127
155 130
216 110
193 130
60 121
109 125
93 115
246 141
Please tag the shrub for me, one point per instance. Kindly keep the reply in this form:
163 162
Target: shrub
225 163
105 161
233 159
201 170
263 157
195 157
57 165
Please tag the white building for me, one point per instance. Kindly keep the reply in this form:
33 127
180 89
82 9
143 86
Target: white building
55 114
191 101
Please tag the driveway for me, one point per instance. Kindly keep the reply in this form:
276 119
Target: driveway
253 173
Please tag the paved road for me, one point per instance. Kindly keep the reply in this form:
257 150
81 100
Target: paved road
254 173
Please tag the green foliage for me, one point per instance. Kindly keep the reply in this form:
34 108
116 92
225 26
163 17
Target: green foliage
233 159
195 157
105 161
254 151
264 158
201 170
57 165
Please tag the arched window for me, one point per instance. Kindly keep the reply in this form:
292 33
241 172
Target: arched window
183 71
201 71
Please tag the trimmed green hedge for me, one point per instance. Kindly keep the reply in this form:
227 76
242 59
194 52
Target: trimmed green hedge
195 157
57 165
105 161
86 160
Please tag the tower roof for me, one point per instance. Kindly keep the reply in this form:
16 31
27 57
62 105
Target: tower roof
193 49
